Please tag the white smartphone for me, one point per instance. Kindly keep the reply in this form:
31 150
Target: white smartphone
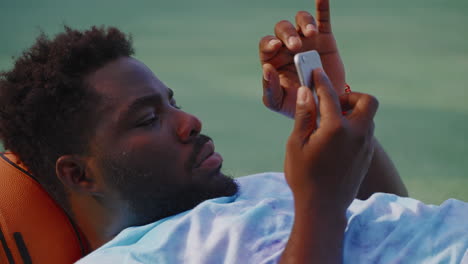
305 63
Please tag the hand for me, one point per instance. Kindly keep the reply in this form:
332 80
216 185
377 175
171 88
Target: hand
326 165
280 81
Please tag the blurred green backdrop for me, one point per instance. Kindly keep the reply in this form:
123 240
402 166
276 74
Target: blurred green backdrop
412 55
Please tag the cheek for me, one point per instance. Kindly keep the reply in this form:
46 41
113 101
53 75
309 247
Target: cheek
150 148
164 158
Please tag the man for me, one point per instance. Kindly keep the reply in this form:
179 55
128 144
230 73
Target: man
106 139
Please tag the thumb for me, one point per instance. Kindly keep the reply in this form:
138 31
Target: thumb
305 116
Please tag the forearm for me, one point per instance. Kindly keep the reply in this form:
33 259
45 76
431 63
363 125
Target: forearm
382 176
316 236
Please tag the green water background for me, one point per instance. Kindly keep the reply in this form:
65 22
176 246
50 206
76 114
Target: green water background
412 55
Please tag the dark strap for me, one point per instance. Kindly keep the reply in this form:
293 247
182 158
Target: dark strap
4 157
23 250
6 248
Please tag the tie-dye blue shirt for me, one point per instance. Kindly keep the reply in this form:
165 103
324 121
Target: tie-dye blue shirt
254 225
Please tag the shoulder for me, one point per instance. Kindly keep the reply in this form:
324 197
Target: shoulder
106 256
211 229
381 204
264 185
392 229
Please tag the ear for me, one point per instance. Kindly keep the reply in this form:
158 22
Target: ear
71 171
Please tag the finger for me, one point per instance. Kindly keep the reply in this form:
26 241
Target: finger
329 103
364 107
323 16
306 24
272 91
305 115
370 142
287 33
370 132
268 47
282 58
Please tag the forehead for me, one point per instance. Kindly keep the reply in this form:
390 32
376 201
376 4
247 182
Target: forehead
125 80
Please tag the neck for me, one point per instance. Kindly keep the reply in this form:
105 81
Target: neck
98 223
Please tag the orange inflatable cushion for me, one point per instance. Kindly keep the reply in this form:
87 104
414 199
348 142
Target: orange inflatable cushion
33 228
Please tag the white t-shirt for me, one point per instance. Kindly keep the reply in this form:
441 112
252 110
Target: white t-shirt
254 226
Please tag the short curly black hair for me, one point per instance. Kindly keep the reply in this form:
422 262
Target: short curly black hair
46 106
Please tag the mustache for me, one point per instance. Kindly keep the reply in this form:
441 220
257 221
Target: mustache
198 144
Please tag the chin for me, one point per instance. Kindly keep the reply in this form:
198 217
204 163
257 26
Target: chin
186 198
226 185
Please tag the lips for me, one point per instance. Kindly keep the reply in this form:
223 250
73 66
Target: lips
206 151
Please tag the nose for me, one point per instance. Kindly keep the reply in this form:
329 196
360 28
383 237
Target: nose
189 127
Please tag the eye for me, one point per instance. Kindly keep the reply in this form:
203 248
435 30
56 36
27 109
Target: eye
148 121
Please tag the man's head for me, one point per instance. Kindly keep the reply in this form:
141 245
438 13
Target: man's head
95 125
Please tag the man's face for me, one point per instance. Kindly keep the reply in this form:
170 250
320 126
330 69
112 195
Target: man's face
150 155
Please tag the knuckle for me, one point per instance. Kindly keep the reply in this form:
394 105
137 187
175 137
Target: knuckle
366 99
302 113
337 128
370 101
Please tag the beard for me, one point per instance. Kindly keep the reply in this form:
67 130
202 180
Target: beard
148 198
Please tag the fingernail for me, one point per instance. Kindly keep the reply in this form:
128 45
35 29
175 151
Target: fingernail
293 41
266 74
301 95
310 28
272 43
